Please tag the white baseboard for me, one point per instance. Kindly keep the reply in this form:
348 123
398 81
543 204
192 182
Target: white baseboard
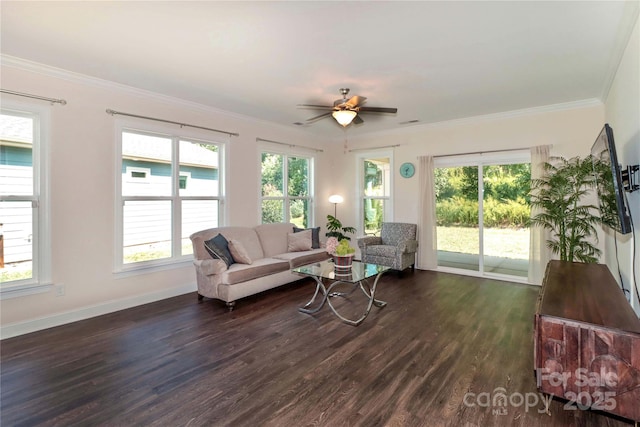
25 327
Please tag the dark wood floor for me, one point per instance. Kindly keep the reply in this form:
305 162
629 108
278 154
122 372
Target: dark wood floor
178 362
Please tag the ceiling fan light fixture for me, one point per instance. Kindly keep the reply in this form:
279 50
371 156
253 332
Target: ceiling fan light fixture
344 117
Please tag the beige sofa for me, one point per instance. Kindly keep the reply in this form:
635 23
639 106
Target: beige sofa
271 262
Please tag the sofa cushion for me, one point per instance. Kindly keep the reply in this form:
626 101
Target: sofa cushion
238 252
218 247
315 236
297 242
273 237
249 239
246 235
296 259
238 273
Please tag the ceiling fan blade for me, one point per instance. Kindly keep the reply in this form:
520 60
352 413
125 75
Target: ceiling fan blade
378 110
354 101
322 107
357 120
321 116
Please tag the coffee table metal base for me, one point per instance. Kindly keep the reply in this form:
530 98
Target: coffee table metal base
327 293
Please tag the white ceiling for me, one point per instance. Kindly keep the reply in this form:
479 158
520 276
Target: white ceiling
434 61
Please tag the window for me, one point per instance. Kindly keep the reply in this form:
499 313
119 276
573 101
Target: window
286 189
375 192
183 181
170 188
137 174
24 230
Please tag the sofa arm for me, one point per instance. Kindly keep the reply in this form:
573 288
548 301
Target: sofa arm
368 240
210 266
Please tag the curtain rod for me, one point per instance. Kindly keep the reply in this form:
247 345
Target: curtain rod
42 98
113 113
317 150
374 148
485 152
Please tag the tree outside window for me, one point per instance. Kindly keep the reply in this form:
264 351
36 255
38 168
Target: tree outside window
376 192
286 189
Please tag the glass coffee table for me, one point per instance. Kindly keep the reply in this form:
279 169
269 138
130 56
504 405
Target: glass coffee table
358 276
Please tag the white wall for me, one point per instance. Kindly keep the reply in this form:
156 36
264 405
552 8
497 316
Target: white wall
623 114
571 129
82 181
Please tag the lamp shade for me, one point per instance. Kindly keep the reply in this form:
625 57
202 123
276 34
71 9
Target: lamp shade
344 117
336 199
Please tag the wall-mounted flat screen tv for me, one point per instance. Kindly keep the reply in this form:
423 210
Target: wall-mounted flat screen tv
608 173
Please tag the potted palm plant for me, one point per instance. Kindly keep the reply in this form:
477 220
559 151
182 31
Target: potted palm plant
560 195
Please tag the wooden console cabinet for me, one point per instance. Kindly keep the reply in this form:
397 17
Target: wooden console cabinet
587 340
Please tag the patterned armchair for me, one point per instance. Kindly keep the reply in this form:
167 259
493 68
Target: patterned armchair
396 247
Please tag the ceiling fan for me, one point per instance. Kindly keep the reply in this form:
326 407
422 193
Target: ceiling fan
345 111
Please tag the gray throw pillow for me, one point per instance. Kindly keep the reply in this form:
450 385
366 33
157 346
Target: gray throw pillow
218 247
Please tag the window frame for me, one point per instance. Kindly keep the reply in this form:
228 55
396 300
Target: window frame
175 135
361 197
262 149
40 280
479 161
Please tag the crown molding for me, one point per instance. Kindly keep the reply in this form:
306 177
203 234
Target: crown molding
83 79
572 105
625 30
50 71
73 77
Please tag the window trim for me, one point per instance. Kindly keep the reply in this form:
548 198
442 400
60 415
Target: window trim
360 158
41 248
176 135
263 148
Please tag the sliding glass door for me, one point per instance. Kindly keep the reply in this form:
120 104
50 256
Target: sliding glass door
482 211
505 218
457 216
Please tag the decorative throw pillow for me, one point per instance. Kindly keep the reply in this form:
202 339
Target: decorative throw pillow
218 247
315 235
299 241
238 252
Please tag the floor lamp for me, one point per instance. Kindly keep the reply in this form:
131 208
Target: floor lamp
335 199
